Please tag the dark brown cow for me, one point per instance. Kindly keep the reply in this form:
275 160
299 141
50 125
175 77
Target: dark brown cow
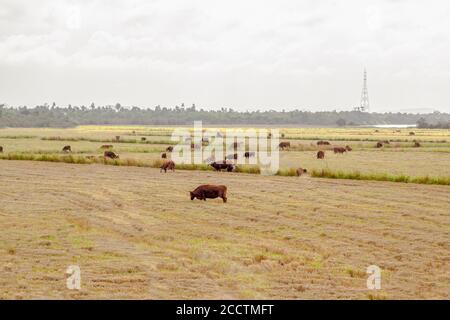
66 149
248 154
416 144
167 165
106 146
164 155
339 150
300 171
412 133
379 144
143 139
1 149
218 166
111 154
321 142
169 149
348 148
320 155
284 145
117 138
209 191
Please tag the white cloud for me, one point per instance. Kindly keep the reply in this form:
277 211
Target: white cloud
235 53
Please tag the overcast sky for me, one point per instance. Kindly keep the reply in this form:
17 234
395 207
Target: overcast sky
244 54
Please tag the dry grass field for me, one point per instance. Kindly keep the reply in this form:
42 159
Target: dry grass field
135 233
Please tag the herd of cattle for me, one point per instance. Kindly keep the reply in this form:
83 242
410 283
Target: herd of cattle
219 191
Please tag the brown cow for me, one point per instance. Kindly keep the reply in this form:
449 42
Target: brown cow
66 149
339 150
111 154
321 142
167 165
379 144
143 139
284 145
219 166
412 133
348 148
320 155
164 155
209 191
300 171
106 146
416 144
1 149
169 149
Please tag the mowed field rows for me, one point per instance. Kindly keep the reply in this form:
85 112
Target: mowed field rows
135 233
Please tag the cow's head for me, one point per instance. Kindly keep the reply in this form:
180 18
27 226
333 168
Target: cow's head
192 195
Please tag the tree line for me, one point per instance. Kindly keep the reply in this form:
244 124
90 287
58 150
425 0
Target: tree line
55 116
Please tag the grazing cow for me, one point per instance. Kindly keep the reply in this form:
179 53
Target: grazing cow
231 157
284 145
167 165
117 138
111 154
164 155
218 166
348 148
107 146
320 155
66 149
416 144
379 144
269 136
169 149
321 142
143 139
300 171
209 191
412 133
1 149
249 154
339 150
